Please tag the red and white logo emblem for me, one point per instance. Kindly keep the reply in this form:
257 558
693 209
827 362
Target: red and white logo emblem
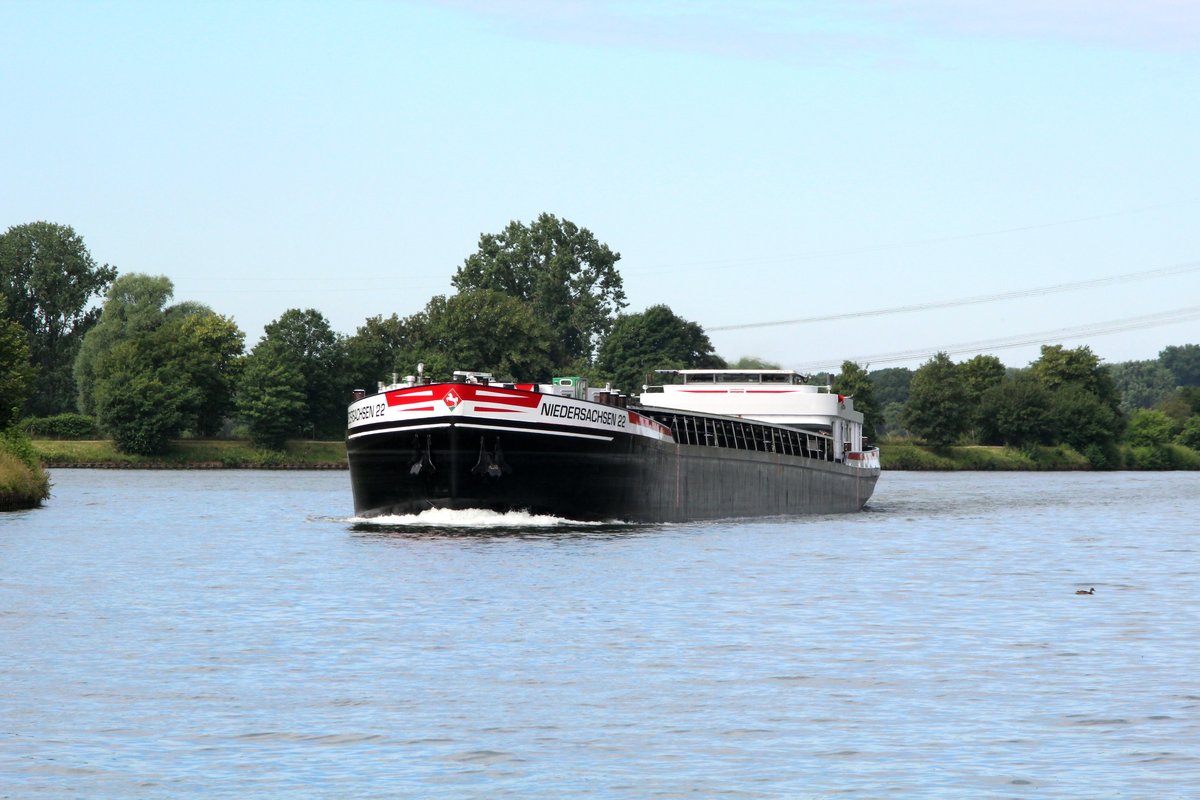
452 399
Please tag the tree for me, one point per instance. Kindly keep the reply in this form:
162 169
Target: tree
140 395
374 351
270 399
1015 412
16 373
980 374
209 348
148 370
1142 384
653 339
892 421
891 385
753 362
1149 428
1084 408
484 330
1059 366
853 382
937 408
1080 418
49 280
135 304
306 341
567 277
1189 435
1183 362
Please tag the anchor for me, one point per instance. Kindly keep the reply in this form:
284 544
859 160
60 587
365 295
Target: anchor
421 462
491 464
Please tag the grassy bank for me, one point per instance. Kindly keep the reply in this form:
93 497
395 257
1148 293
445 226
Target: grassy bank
303 454
21 485
907 455
194 454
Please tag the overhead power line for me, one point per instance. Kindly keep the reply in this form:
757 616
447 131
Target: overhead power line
1129 277
1023 340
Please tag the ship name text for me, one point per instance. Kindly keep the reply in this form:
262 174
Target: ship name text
596 416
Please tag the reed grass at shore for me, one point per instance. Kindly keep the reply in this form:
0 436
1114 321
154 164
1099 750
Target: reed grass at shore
194 454
21 486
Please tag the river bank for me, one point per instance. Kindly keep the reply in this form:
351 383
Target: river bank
192 454
304 454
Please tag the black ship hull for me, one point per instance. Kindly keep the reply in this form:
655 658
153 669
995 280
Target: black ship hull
562 470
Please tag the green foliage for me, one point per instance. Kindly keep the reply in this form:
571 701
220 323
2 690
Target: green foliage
1103 455
937 408
1189 434
208 349
373 353
16 373
561 271
1148 428
653 339
480 330
49 280
980 374
140 396
1059 367
61 426
198 454
891 385
1142 384
908 456
853 382
1015 412
148 371
21 485
753 362
1191 396
893 421
1184 363
1084 407
1151 457
135 304
270 397
1080 418
1176 405
14 442
313 350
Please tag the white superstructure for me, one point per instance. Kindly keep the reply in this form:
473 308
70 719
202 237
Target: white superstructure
779 396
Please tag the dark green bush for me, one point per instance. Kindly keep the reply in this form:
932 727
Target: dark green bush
61 426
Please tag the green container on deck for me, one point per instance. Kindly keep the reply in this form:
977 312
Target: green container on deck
570 387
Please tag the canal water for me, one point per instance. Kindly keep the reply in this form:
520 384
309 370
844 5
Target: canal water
233 634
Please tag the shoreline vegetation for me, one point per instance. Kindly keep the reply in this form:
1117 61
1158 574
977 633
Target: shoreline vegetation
25 484
306 454
192 454
22 486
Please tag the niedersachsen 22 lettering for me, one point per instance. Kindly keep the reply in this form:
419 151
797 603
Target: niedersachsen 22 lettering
597 416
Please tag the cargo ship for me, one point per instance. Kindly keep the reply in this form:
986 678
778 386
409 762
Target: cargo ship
704 444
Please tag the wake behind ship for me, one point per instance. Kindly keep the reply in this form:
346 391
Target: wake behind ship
714 444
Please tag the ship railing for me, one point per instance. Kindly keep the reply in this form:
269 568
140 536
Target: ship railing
742 435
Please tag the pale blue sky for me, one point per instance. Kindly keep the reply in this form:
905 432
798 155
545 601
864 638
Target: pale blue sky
751 161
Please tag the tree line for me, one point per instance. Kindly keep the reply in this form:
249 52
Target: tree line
1067 396
535 300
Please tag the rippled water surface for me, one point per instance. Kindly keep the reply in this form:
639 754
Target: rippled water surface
236 635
